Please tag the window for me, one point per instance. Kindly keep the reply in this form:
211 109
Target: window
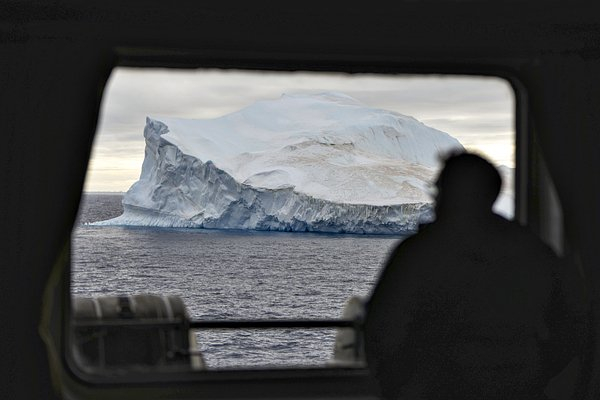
158 218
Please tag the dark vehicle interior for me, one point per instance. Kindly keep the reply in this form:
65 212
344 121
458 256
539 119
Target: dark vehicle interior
56 57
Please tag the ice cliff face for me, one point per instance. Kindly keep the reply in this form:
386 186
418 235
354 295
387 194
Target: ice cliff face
322 162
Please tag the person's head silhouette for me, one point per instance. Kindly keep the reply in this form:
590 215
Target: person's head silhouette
472 306
467 186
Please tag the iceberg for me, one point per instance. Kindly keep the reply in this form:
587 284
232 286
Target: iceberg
320 162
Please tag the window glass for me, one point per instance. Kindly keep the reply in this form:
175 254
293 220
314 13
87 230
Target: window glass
266 195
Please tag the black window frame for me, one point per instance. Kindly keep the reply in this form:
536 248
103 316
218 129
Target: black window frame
325 382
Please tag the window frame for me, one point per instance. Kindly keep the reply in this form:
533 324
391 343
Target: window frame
324 382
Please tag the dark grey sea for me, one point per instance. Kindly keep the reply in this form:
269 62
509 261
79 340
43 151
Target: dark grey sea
223 274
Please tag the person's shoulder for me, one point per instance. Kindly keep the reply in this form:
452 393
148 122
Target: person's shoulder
514 228
509 223
525 238
425 227
424 231
429 229
414 244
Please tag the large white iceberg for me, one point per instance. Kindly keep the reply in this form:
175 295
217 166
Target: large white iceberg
322 162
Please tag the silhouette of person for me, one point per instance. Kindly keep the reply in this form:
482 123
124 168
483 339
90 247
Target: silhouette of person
473 306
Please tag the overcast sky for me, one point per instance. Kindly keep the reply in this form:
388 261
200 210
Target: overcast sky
478 111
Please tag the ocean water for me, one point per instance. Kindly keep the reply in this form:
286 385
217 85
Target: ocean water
224 275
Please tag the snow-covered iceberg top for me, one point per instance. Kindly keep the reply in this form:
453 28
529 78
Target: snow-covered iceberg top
328 146
321 162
